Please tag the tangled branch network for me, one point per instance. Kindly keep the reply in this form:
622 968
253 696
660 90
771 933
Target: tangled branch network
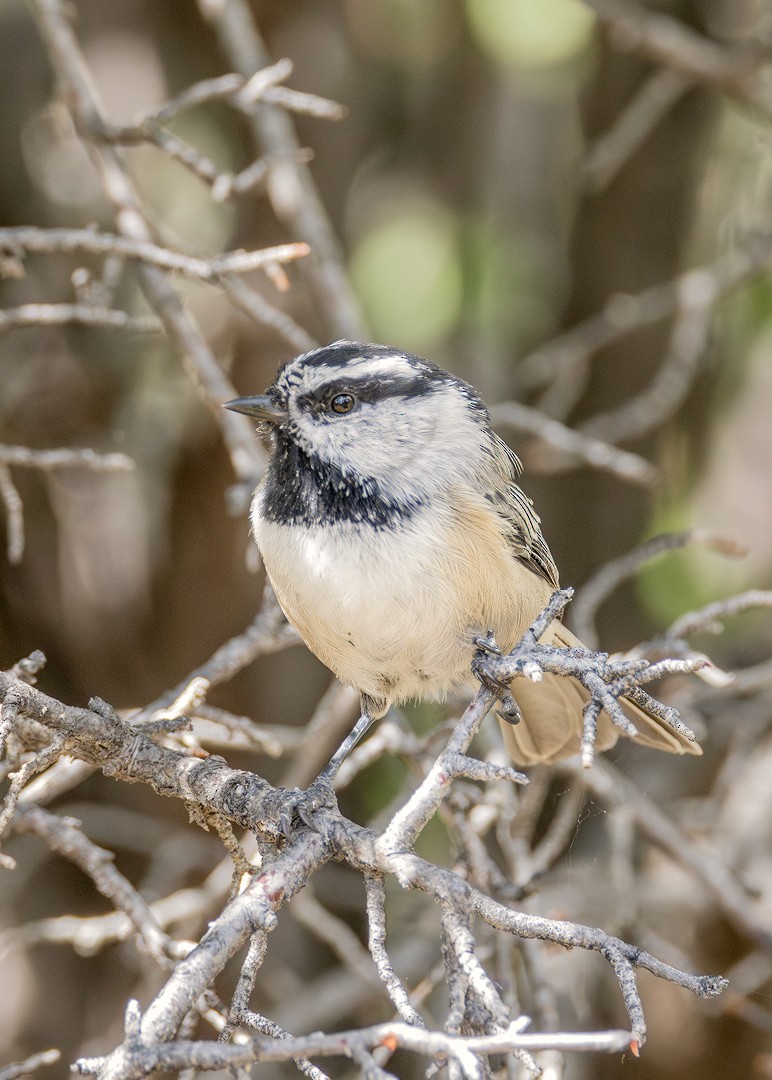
456 953
480 1021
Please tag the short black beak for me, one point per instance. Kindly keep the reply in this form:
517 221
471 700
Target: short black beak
259 406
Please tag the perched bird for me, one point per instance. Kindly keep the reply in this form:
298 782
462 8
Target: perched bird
395 535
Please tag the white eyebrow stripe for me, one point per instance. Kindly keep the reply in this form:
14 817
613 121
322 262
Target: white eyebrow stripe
360 367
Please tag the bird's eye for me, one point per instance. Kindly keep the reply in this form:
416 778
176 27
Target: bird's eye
343 403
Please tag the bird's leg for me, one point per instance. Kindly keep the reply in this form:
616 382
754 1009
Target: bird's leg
319 792
360 729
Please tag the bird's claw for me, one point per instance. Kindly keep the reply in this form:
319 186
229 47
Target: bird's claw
486 646
486 643
510 710
301 806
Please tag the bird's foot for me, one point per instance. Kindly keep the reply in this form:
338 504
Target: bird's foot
300 807
486 646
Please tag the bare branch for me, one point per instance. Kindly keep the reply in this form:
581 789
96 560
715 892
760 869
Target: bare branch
139 1059
622 313
291 189
606 680
72 71
69 458
376 921
14 515
738 71
588 450
30 238
608 153
80 314
65 838
602 584
500 840
30 1064
210 786
22 776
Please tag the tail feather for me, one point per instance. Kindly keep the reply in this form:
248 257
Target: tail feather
551 727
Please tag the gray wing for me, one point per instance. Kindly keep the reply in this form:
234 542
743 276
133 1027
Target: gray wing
522 522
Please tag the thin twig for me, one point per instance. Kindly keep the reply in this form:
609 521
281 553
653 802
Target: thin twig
607 155
707 618
604 581
376 921
624 313
336 935
73 73
31 238
141 1059
80 314
30 1064
738 71
64 838
587 450
291 189
61 458
14 516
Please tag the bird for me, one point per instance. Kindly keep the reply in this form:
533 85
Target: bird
396 536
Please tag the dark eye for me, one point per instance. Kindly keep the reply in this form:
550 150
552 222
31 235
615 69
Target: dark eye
343 403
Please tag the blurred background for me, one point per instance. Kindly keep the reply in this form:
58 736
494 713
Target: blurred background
505 171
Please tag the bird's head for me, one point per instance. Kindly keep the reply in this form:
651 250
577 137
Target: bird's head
373 412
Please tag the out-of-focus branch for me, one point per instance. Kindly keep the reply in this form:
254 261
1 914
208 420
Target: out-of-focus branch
608 153
680 368
14 515
244 95
45 461
293 193
708 618
623 313
30 238
610 576
654 405
615 789
64 838
268 632
737 70
73 73
29 1065
258 308
64 458
581 447
78 314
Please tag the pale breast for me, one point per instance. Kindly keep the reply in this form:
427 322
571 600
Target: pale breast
393 612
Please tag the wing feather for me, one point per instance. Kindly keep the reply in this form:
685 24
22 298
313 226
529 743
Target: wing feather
523 526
